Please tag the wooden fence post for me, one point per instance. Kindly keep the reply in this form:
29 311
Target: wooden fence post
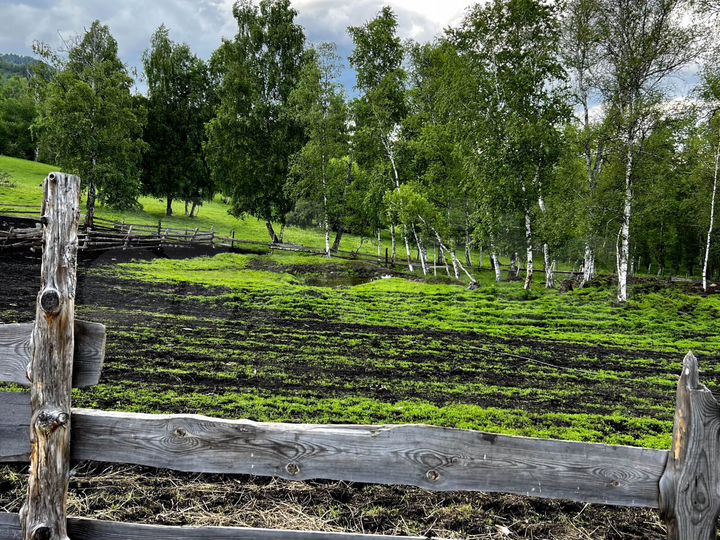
50 370
690 485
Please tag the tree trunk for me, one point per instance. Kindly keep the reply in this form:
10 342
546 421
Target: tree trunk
588 265
327 235
393 243
90 216
422 252
712 218
338 237
168 206
549 268
455 264
50 370
496 265
407 249
186 208
271 231
529 246
282 233
624 252
194 209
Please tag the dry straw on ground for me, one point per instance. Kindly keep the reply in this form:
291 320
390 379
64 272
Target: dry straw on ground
136 494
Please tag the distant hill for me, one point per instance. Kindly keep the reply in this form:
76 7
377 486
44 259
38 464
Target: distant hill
14 64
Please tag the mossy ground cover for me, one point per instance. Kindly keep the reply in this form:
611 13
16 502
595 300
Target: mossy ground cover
252 336
256 336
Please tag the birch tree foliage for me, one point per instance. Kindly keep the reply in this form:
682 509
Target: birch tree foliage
90 123
179 105
377 59
252 136
318 171
642 44
513 46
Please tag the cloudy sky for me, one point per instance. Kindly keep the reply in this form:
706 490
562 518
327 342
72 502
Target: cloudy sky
202 23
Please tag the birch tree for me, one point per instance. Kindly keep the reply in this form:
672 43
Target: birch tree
318 171
377 59
710 91
582 58
642 44
513 45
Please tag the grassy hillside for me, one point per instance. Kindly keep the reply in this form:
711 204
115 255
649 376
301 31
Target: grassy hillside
28 177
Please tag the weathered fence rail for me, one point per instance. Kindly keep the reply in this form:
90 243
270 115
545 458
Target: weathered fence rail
41 428
435 458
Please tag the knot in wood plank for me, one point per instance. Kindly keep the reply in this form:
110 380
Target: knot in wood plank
48 421
51 301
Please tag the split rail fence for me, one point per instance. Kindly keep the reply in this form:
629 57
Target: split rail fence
58 352
107 234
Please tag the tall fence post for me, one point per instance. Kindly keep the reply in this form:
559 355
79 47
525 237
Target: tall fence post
50 370
690 485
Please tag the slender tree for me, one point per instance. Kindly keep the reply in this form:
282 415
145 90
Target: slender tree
91 124
377 59
318 170
642 43
252 136
179 105
514 47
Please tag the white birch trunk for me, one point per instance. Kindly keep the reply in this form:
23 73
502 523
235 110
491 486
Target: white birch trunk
588 265
378 243
407 249
528 241
393 242
456 264
624 253
496 265
549 268
421 252
712 218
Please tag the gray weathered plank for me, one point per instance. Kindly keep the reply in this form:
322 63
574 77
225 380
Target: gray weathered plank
92 529
434 458
690 485
15 353
14 427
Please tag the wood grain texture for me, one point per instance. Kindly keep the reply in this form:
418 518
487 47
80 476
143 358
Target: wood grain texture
690 485
53 344
91 529
16 353
439 459
14 427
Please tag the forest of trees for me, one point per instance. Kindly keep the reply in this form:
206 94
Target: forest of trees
531 130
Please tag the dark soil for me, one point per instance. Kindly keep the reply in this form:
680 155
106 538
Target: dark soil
146 495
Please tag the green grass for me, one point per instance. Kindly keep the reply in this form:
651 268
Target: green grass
248 336
28 177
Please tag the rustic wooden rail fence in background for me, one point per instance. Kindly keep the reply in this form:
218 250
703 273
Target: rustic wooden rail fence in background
108 234
58 352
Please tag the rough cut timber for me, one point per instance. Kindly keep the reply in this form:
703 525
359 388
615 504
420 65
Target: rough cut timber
92 529
435 458
43 515
16 353
690 486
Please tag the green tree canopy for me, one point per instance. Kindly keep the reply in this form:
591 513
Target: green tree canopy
90 124
252 137
179 104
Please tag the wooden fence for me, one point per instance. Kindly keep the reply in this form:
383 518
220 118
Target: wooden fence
57 352
108 234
